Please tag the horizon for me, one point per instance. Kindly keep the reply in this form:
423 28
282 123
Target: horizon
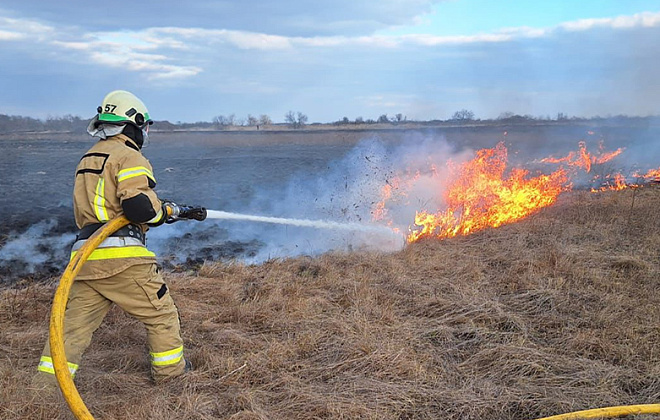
242 122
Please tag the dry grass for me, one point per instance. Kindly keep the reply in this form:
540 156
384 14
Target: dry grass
557 313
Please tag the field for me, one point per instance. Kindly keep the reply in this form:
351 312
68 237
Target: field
255 172
556 313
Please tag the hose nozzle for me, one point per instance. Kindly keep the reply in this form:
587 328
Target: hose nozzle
192 212
179 211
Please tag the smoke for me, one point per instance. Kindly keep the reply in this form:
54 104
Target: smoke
37 249
410 171
347 191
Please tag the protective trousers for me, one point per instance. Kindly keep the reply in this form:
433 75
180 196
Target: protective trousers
141 292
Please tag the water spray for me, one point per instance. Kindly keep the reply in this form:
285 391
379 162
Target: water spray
319 224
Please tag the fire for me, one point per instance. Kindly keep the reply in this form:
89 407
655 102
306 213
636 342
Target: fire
653 175
617 183
583 159
480 195
485 192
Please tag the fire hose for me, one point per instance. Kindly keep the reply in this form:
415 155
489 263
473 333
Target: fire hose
78 407
56 329
62 373
608 412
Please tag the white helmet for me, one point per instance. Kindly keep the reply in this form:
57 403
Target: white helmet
120 107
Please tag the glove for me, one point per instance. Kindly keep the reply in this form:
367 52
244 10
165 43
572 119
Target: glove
192 212
177 212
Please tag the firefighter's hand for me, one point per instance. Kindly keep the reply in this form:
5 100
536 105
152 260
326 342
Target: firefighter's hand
181 211
172 211
192 212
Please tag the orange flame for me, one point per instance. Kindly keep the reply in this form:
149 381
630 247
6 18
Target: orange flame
583 159
481 196
653 174
483 192
618 183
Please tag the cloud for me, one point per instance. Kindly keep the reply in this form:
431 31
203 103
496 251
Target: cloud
14 29
285 17
645 20
263 41
126 51
10 36
581 67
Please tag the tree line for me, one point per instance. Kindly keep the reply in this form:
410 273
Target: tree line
15 123
294 120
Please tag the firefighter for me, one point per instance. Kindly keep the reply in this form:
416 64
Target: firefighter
111 179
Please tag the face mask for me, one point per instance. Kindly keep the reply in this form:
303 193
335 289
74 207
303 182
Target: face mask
103 131
145 137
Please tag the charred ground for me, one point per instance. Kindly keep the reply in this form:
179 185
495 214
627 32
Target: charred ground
556 313
246 171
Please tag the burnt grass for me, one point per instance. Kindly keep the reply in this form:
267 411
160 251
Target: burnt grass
557 313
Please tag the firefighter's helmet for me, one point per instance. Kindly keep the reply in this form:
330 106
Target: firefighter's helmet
122 107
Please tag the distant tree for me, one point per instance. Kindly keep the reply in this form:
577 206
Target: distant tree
463 115
359 120
290 119
399 118
506 115
344 121
295 120
224 121
561 116
302 119
383 119
265 120
252 121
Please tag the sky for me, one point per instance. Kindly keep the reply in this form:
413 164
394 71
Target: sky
425 59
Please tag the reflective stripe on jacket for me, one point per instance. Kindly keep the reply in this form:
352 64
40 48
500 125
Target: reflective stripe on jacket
114 178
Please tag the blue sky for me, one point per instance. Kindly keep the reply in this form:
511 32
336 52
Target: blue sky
191 61
468 17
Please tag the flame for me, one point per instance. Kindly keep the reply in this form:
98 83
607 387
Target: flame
617 183
485 193
583 159
481 196
653 174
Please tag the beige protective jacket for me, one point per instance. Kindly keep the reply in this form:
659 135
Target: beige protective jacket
114 178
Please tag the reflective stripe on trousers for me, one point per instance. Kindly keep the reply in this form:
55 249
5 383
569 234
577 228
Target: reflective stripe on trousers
115 247
46 365
113 241
171 357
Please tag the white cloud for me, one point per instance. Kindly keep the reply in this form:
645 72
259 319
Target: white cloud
126 51
13 29
262 41
645 20
284 17
10 36
310 72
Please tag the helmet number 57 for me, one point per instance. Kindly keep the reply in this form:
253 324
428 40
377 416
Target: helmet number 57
110 108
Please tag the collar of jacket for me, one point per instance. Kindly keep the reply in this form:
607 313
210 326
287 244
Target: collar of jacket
126 140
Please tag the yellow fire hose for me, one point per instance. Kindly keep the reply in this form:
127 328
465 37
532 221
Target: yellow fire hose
617 411
62 373
78 407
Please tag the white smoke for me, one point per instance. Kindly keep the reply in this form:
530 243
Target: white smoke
346 192
25 253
